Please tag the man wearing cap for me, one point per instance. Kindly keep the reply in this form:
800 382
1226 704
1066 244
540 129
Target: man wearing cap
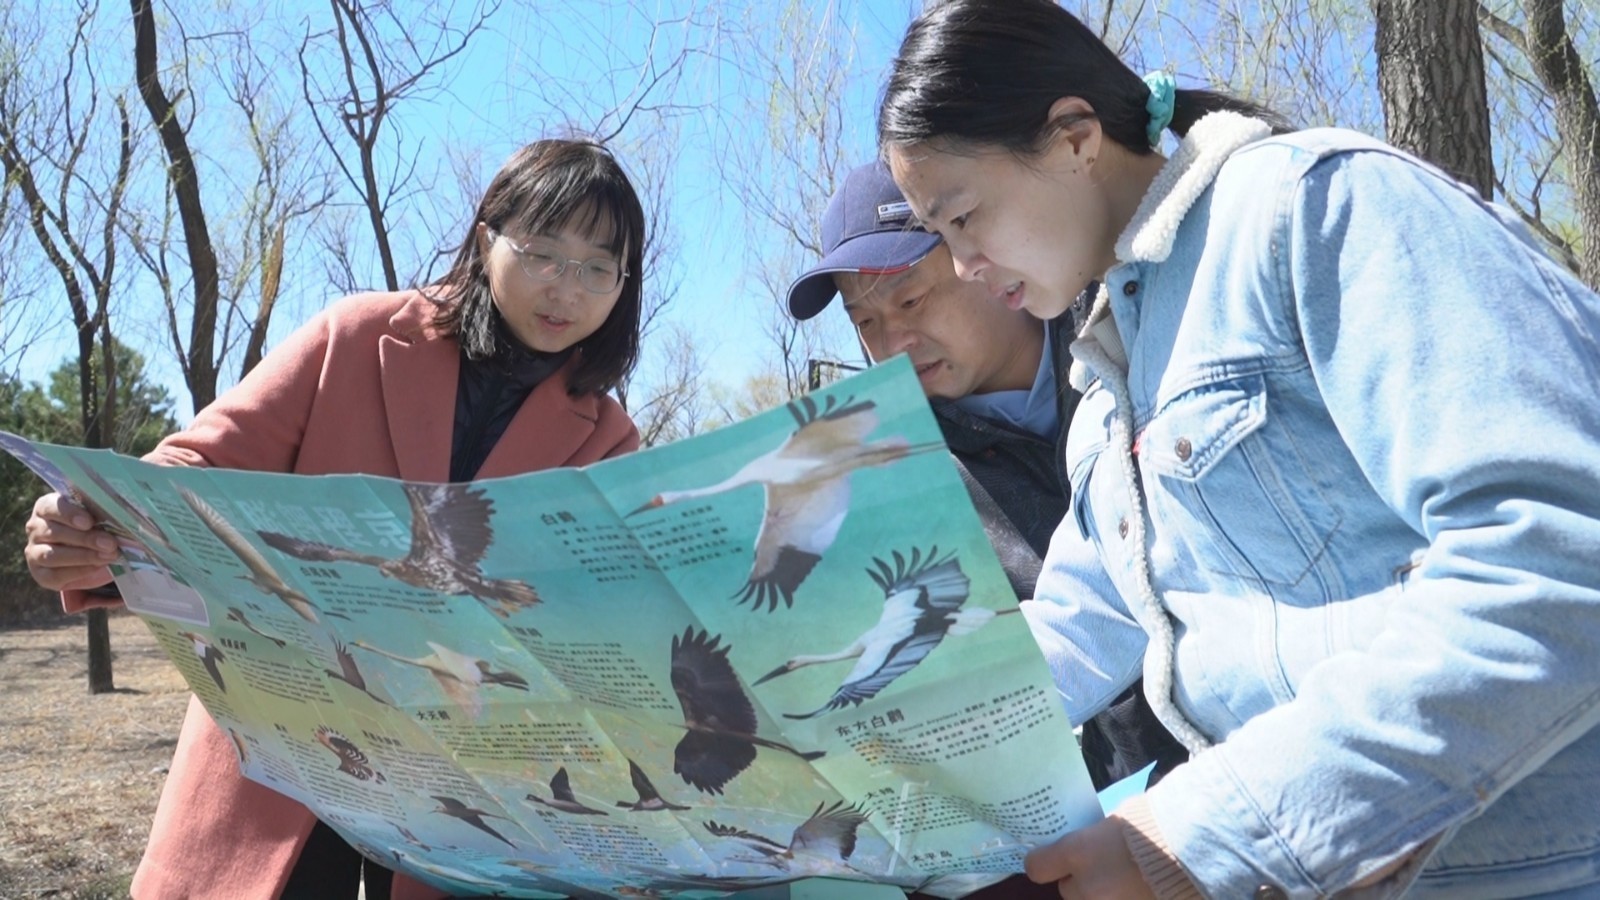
997 381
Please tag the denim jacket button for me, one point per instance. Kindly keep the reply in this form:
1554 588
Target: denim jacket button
1122 528
1129 288
1270 892
1183 448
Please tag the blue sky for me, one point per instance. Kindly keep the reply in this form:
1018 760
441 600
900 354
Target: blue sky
544 68
544 71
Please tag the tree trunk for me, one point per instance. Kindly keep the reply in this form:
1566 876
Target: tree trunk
201 371
1556 61
1430 77
99 634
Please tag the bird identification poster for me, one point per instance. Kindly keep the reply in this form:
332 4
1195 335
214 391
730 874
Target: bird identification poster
777 650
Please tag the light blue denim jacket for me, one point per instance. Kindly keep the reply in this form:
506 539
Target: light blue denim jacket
1336 491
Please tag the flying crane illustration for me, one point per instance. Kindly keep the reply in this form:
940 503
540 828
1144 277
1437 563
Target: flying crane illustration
827 839
922 604
561 797
721 741
807 488
459 675
450 533
148 531
235 614
265 578
349 672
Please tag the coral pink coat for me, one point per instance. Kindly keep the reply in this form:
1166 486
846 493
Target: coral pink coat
367 387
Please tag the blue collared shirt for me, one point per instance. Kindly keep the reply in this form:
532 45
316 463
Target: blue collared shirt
1035 410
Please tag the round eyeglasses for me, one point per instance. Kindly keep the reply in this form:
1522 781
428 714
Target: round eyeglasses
542 260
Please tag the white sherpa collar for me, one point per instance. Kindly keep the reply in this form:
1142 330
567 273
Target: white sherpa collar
1209 143
1149 234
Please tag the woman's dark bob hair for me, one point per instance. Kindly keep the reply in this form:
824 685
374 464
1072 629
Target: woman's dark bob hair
545 187
975 73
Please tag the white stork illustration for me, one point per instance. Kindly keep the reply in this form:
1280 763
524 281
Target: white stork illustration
807 486
823 841
922 600
209 656
460 676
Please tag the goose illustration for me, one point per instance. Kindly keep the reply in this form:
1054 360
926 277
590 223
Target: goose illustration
209 656
471 815
459 675
828 838
807 489
649 798
265 578
450 534
352 761
720 741
561 797
922 604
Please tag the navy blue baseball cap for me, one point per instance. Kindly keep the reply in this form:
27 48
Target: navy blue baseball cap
868 227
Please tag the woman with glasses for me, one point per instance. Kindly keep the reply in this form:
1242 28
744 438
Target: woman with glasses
500 367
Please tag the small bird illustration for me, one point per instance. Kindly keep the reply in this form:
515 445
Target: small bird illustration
720 741
235 614
450 534
239 747
262 575
922 600
471 815
409 837
460 676
669 883
352 761
649 799
827 838
807 485
439 871
349 673
209 657
561 797
148 532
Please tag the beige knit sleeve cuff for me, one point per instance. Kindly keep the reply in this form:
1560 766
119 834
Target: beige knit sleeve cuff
1161 869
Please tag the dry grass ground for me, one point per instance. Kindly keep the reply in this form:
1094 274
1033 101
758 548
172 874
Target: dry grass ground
79 775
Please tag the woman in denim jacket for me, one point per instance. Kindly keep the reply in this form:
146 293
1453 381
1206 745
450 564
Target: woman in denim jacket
1335 476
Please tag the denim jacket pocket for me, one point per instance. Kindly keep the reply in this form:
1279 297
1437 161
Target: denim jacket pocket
1085 443
1078 503
1237 485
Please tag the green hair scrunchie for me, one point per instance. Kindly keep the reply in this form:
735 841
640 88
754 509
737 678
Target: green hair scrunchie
1163 98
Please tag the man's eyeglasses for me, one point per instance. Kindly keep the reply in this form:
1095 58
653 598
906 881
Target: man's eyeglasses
542 261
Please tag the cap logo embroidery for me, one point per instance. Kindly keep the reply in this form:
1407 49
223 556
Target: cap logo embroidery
893 212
